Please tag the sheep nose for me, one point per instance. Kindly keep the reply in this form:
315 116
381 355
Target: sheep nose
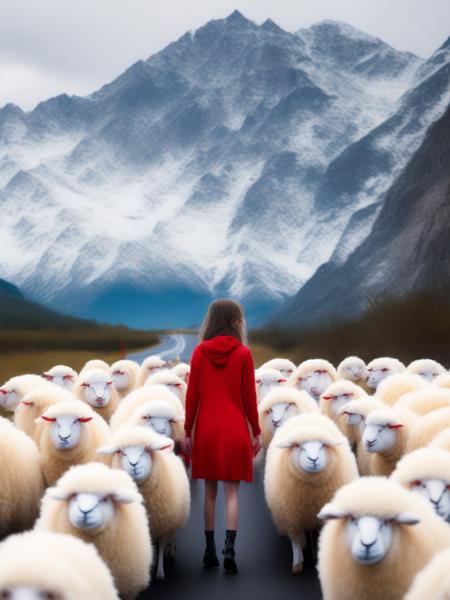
368 545
64 437
313 460
133 464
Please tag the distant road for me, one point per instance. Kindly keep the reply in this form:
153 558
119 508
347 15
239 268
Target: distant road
178 345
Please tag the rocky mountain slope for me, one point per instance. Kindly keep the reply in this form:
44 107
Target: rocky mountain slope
407 250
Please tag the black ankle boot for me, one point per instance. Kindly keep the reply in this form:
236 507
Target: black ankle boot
210 559
229 564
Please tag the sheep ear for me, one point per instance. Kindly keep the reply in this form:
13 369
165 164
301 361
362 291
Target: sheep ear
407 519
333 443
106 450
55 494
284 444
177 419
124 497
163 444
330 511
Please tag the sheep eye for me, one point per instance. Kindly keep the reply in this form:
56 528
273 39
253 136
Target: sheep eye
118 452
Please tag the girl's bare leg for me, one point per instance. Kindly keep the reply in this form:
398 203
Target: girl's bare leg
210 504
231 489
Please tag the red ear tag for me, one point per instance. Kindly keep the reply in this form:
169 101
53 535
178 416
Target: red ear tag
27 403
327 397
48 419
85 419
396 426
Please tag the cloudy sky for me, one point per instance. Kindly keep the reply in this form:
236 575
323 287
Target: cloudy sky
52 46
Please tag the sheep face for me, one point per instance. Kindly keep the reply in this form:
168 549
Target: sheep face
29 593
267 381
89 511
310 456
315 383
9 398
376 376
97 389
136 461
354 369
429 374
60 378
437 492
160 425
380 438
65 430
121 380
354 419
337 401
368 537
279 413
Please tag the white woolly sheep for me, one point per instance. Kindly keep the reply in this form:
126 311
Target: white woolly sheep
266 380
426 368
394 387
377 536
380 368
62 376
182 370
279 405
353 369
161 479
34 404
95 363
307 461
433 581
95 387
125 374
103 506
21 479
442 440
40 564
428 427
161 417
69 434
313 376
427 472
443 381
351 420
140 396
170 380
284 365
337 395
150 366
425 400
15 389
385 437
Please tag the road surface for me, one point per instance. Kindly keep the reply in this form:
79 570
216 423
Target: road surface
263 557
172 346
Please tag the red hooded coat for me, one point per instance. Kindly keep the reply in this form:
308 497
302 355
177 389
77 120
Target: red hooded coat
221 401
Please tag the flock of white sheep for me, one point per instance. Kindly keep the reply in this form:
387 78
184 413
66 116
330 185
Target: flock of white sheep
365 451
93 491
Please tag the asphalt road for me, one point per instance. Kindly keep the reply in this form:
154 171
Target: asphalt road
171 347
263 557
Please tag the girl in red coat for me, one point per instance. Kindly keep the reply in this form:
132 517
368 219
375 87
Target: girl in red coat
220 412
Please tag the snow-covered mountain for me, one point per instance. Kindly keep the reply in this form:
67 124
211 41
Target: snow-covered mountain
231 162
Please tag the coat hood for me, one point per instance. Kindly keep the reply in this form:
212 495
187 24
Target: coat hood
219 348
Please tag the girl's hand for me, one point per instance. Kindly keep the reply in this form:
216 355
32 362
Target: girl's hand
257 445
186 446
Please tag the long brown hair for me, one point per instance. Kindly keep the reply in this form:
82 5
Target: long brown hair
224 317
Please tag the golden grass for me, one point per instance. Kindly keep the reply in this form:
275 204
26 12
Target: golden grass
19 363
263 352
